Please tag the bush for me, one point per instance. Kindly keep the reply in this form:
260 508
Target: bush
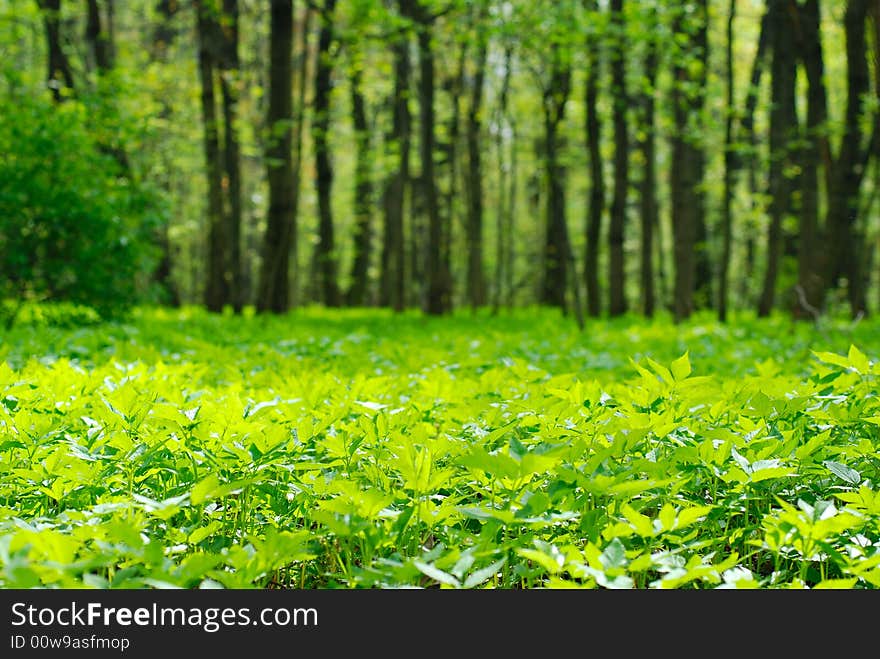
73 225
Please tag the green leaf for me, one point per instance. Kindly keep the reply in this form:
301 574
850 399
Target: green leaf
484 574
436 573
843 472
681 367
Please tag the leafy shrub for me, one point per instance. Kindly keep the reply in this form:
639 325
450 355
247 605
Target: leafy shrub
73 226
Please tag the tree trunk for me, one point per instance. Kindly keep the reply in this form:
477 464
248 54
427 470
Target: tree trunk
164 33
476 278
783 132
815 153
216 286
97 37
325 253
59 75
727 198
391 288
503 224
686 176
648 187
273 293
844 239
556 246
363 193
617 304
229 81
597 179
438 299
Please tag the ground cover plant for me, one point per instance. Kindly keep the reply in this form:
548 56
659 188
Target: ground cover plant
338 449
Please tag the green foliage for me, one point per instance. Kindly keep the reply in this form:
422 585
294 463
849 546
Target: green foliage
338 449
73 225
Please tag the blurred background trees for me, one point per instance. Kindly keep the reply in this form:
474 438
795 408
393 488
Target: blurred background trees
600 156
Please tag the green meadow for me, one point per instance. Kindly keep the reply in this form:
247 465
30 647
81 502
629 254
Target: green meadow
363 449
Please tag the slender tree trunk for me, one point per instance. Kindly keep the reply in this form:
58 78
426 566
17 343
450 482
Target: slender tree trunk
391 290
97 37
325 254
164 33
815 153
363 193
844 238
596 206
783 131
438 299
556 247
704 271
502 232
273 293
229 82
216 286
648 187
617 304
448 150
686 176
729 166
59 75
476 278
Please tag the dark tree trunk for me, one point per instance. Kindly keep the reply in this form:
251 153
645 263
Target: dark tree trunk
748 144
391 288
686 175
229 77
648 186
703 274
506 191
503 215
438 299
363 193
273 292
815 153
597 179
476 278
729 166
216 286
97 37
325 253
164 33
845 241
783 131
556 246
59 75
448 150
617 303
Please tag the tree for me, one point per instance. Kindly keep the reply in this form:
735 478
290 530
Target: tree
648 185
363 190
617 227
438 298
783 133
326 259
273 293
596 206
217 285
59 75
392 278
686 176
476 280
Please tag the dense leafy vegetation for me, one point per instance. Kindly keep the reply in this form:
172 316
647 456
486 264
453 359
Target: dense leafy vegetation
337 449
72 228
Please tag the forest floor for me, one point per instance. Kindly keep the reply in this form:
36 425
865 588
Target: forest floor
338 448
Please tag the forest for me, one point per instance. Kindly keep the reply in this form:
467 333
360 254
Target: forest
440 293
598 157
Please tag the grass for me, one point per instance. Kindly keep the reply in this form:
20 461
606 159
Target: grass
343 449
